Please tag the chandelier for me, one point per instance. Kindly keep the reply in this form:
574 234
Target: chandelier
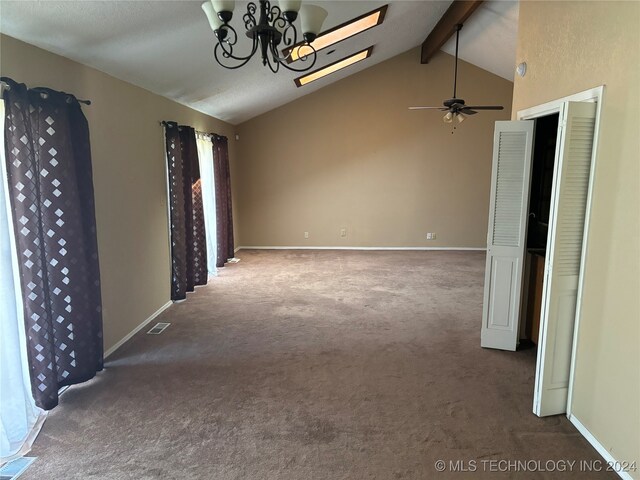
270 29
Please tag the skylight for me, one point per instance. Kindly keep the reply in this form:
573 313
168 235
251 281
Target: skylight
333 67
339 33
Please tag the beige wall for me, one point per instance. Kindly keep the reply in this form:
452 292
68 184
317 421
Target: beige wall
351 155
129 177
570 47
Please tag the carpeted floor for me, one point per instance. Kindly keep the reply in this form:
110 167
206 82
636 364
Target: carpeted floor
304 365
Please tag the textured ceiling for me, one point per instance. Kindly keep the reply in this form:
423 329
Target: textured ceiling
488 39
167 46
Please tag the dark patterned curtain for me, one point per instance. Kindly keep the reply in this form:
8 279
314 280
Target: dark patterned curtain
224 217
51 193
188 240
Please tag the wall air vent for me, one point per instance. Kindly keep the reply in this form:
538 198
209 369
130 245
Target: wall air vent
156 330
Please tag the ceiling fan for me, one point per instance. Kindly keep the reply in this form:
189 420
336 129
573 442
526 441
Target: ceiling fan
455 107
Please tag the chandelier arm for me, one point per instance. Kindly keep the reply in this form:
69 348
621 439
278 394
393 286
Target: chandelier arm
249 18
303 58
282 60
243 60
274 13
273 68
287 37
280 24
227 48
227 37
308 67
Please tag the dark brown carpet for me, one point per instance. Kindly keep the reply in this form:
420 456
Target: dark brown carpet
309 365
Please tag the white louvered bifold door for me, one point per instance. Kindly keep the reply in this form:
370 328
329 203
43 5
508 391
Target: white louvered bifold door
506 238
564 257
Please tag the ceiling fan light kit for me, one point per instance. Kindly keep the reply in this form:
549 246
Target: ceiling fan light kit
455 107
269 27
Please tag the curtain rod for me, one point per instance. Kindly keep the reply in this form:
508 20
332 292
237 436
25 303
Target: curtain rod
5 86
164 123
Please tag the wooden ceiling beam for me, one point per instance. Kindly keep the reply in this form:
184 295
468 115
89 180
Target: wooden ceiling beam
457 13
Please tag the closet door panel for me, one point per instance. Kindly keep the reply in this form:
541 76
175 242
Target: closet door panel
512 149
564 257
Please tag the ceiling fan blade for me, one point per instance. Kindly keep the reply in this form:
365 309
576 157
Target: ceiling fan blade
485 107
467 111
428 108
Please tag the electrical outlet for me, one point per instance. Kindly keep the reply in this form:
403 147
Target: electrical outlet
343 232
306 234
431 236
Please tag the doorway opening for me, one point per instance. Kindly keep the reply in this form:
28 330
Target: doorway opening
545 141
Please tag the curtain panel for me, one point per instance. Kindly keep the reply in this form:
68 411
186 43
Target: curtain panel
20 419
224 217
50 187
205 158
187 231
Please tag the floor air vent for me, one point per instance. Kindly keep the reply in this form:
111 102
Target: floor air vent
156 330
15 468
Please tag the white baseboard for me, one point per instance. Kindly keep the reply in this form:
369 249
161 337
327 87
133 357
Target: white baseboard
606 455
362 248
137 329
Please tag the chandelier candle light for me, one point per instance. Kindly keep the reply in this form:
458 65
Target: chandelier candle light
273 28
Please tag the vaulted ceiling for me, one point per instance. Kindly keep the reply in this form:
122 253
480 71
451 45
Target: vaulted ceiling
167 47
